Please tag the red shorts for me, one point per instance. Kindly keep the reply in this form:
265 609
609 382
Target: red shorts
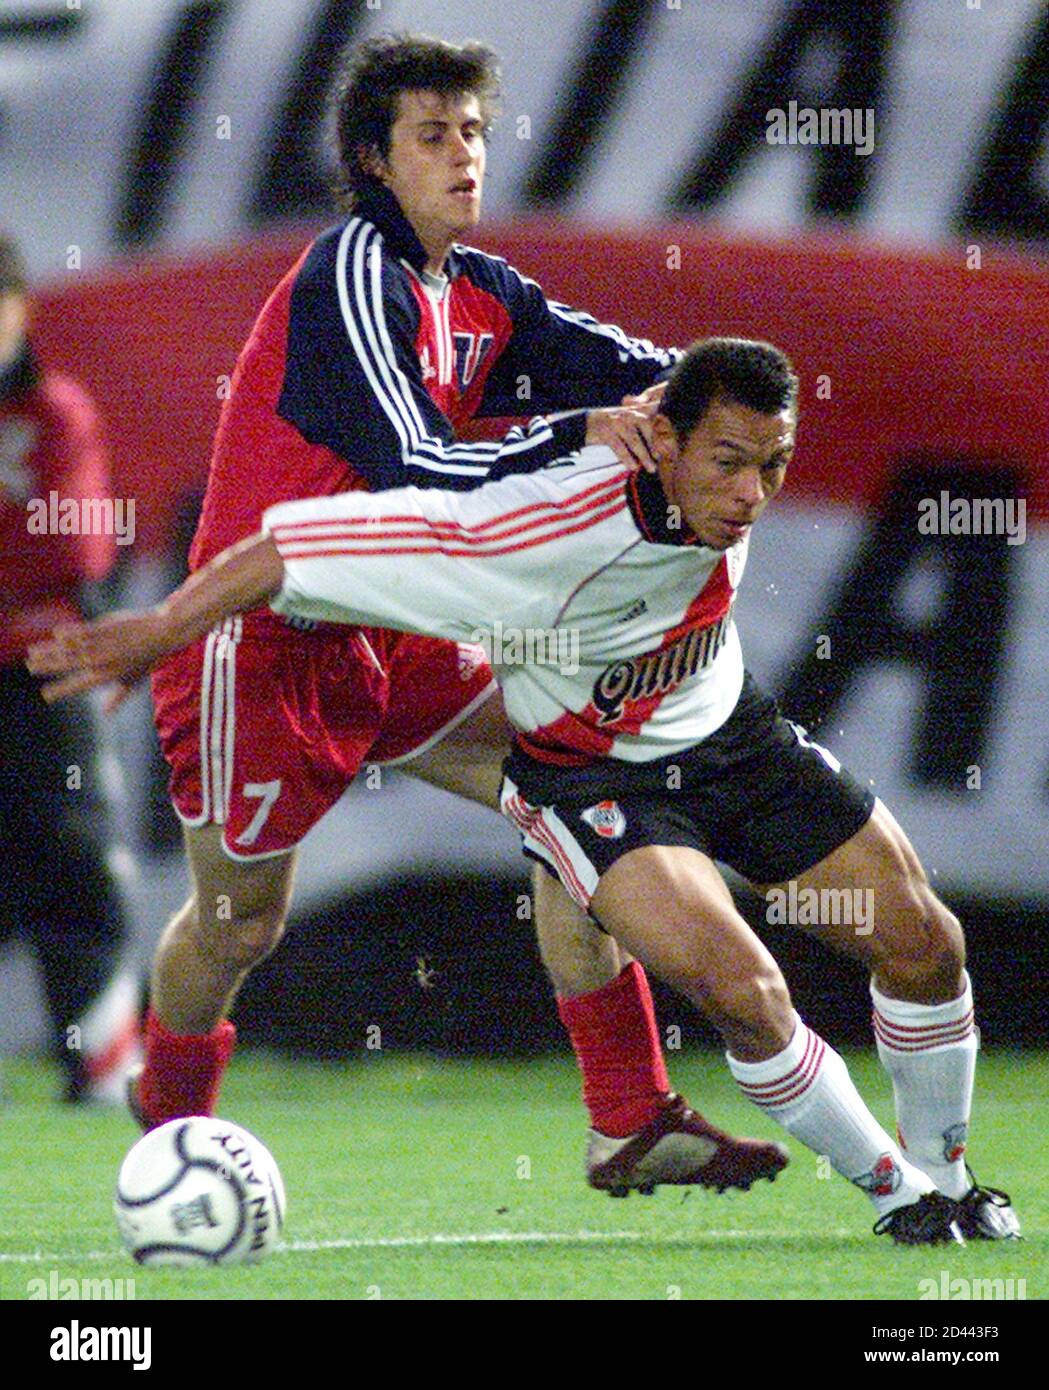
265 727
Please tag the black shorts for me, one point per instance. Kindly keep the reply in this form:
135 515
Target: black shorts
757 795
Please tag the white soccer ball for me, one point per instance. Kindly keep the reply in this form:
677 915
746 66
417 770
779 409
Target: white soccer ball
199 1191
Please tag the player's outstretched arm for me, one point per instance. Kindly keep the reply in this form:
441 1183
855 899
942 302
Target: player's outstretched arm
124 647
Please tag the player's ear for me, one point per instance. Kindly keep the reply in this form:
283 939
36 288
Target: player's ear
664 438
372 162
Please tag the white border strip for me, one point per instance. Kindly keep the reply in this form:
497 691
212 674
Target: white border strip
309 1247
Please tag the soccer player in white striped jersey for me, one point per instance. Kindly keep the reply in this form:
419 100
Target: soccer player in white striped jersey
645 752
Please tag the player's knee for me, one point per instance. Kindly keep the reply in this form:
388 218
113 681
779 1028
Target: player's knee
929 948
756 1005
236 941
944 948
254 939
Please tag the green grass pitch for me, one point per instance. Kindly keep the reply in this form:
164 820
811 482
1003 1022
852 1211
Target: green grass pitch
411 1178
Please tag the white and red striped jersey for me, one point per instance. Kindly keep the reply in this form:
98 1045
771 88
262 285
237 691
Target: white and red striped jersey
609 629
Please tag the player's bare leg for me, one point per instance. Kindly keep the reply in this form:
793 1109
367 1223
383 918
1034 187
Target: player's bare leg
642 1134
671 909
912 944
696 941
233 920
578 956
923 1005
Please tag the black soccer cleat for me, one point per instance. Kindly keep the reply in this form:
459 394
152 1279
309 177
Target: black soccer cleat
986 1213
932 1220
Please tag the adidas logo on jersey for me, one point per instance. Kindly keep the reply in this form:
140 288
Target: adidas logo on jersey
634 611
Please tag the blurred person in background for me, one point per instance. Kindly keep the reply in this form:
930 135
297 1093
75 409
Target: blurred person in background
61 897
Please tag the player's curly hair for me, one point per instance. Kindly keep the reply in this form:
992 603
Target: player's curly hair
369 80
749 373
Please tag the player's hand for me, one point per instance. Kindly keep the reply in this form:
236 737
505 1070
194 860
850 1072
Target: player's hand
119 649
627 431
649 399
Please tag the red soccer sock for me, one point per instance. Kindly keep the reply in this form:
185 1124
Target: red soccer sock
613 1031
183 1072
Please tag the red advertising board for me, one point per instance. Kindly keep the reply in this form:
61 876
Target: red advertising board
943 354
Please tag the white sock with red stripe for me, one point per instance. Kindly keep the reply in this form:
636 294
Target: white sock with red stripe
807 1088
929 1050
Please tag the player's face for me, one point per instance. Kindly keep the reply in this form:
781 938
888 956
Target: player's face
435 167
728 471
